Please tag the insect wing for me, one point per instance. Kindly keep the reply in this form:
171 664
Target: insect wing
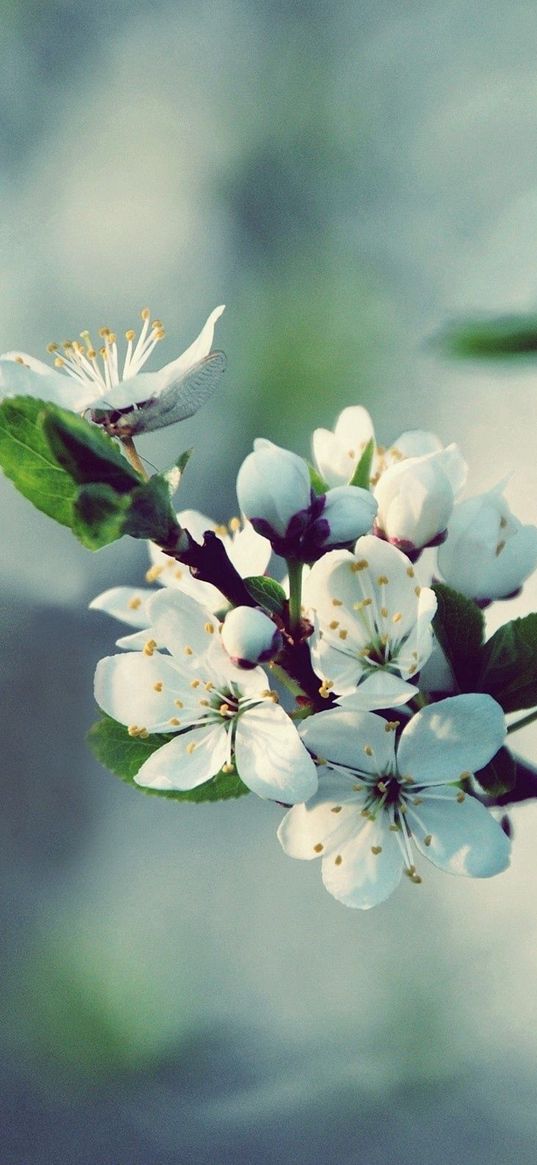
181 399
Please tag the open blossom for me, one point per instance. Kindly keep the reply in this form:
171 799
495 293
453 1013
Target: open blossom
373 624
337 453
274 491
376 801
415 498
488 553
220 716
87 377
248 552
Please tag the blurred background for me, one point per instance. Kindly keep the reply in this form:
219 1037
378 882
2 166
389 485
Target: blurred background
345 178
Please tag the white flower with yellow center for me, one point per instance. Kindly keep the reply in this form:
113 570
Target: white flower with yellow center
375 802
373 624
221 717
126 401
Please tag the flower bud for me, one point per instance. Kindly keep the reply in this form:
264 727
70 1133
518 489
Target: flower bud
488 553
415 498
250 637
272 486
274 492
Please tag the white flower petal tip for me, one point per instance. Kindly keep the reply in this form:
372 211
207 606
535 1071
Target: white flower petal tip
372 810
337 454
488 553
87 377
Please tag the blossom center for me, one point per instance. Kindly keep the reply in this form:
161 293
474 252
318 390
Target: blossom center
98 365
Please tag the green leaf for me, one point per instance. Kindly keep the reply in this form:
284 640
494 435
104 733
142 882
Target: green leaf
267 593
459 627
124 756
498 338
318 484
27 460
362 473
174 474
151 514
499 776
100 515
509 665
87 453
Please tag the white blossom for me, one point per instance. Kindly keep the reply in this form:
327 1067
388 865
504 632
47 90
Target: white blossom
488 553
376 802
87 377
274 491
372 624
415 498
220 716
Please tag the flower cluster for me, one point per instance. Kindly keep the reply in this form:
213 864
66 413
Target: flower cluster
356 689
376 771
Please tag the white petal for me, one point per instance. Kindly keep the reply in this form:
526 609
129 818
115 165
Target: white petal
334 462
337 454
380 689
142 690
327 820
177 576
415 443
270 756
182 625
417 647
342 668
198 350
273 484
186 762
136 641
349 511
126 603
457 735
464 838
359 877
33 378
248 551
344 736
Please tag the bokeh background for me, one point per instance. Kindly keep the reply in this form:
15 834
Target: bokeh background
345 178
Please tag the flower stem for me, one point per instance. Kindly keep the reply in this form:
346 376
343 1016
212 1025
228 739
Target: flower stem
131 454
529 719
295 593
288 682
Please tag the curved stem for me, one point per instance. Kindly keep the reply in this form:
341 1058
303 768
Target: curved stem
288 682
295 593
132 456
